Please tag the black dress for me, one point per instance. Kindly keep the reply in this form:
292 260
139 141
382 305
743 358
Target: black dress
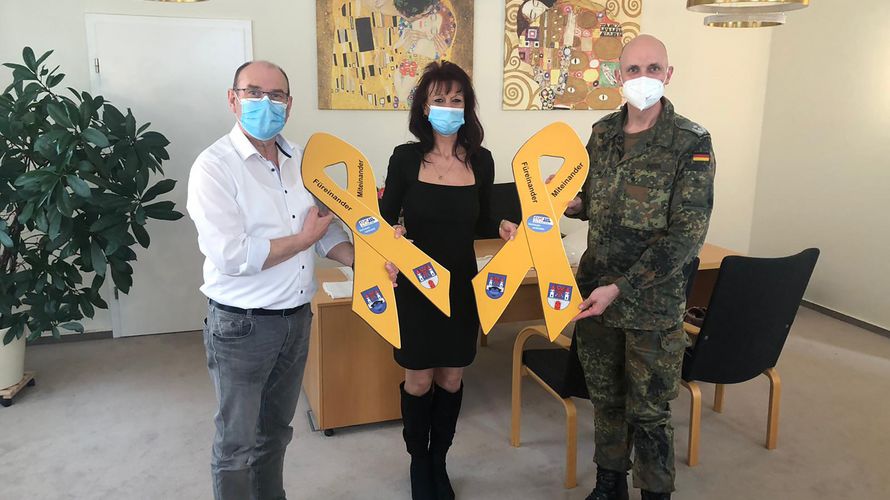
443 222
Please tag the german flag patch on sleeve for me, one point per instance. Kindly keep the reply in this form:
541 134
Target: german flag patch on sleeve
701 157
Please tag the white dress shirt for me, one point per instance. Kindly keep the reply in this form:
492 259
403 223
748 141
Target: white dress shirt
240 202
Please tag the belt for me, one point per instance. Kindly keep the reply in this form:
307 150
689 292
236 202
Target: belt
257 312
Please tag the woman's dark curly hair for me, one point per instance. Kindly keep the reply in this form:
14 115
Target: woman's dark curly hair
443 76
412 8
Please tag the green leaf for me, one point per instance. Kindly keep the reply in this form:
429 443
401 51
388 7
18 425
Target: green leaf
95 137
56 333
30 60
73 326
64 201
7 241
79 187
162 187
86 112
43 57
85 306
55 80
14 332
98 258
140 233
131 123
107 221
59 115
122 280
159 210
55 223
154 140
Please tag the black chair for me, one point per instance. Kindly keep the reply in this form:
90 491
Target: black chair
504 205
750 313
560 373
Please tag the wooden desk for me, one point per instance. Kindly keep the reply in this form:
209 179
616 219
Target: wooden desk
351 377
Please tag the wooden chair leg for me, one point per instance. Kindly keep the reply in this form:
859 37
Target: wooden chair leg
694 421
718 397
516 404
775 395
571 443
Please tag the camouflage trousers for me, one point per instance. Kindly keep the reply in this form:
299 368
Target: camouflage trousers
632 375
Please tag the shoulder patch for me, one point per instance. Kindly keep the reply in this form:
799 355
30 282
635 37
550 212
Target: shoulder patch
689 125
607 123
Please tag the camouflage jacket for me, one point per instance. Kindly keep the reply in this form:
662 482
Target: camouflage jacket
648 213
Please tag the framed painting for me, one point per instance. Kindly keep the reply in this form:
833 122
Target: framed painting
563 54
372 52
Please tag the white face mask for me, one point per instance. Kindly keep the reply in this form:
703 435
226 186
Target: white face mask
643 92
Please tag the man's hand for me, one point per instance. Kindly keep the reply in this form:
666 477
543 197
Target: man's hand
574 206
315 226
393 273
598 301
507 230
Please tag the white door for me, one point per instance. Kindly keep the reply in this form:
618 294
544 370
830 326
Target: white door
172 72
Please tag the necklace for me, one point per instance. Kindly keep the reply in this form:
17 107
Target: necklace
447 170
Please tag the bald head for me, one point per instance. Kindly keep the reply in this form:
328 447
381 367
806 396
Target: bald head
259 67
645 55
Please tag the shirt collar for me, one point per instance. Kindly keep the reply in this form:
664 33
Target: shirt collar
245 149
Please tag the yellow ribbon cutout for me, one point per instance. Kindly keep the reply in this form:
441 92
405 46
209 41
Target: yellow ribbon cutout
537 241
375 244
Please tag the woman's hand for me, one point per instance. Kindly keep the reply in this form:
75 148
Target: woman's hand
507 230
399 231
393 273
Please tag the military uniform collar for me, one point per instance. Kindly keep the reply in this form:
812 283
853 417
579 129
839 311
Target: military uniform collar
663 129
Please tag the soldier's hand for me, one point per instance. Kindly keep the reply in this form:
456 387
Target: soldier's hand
574 206
597 302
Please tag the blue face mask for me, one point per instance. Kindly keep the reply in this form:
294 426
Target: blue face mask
446 121
263 118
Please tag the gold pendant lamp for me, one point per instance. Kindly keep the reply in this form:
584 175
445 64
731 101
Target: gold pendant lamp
745 13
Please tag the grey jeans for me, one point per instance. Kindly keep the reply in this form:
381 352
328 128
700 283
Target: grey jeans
256 365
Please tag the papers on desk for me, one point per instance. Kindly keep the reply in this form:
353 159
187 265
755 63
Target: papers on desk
481 261
338 289
347 271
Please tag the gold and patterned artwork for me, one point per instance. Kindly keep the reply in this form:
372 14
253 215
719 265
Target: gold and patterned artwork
371 53
563 54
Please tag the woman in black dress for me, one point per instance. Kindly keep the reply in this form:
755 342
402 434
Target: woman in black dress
441 185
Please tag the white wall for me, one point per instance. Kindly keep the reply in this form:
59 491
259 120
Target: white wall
719 81
824 177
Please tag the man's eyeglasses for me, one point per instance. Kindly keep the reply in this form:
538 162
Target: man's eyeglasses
254 93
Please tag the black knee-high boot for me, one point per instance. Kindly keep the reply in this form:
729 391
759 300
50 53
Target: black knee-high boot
416 421
446 408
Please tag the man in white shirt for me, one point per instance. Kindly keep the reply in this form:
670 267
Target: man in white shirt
256 226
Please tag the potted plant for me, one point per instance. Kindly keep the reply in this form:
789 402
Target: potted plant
78 184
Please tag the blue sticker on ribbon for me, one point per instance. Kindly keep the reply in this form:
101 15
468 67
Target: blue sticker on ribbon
539 223
367 225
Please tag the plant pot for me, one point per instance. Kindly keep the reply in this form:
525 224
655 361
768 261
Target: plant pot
12 360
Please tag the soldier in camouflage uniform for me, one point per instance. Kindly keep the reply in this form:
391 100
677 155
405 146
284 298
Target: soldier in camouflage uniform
648 200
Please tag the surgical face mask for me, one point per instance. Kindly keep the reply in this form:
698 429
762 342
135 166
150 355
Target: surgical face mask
263 118
643 92
446 121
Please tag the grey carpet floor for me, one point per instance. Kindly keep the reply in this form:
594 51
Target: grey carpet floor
131 419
